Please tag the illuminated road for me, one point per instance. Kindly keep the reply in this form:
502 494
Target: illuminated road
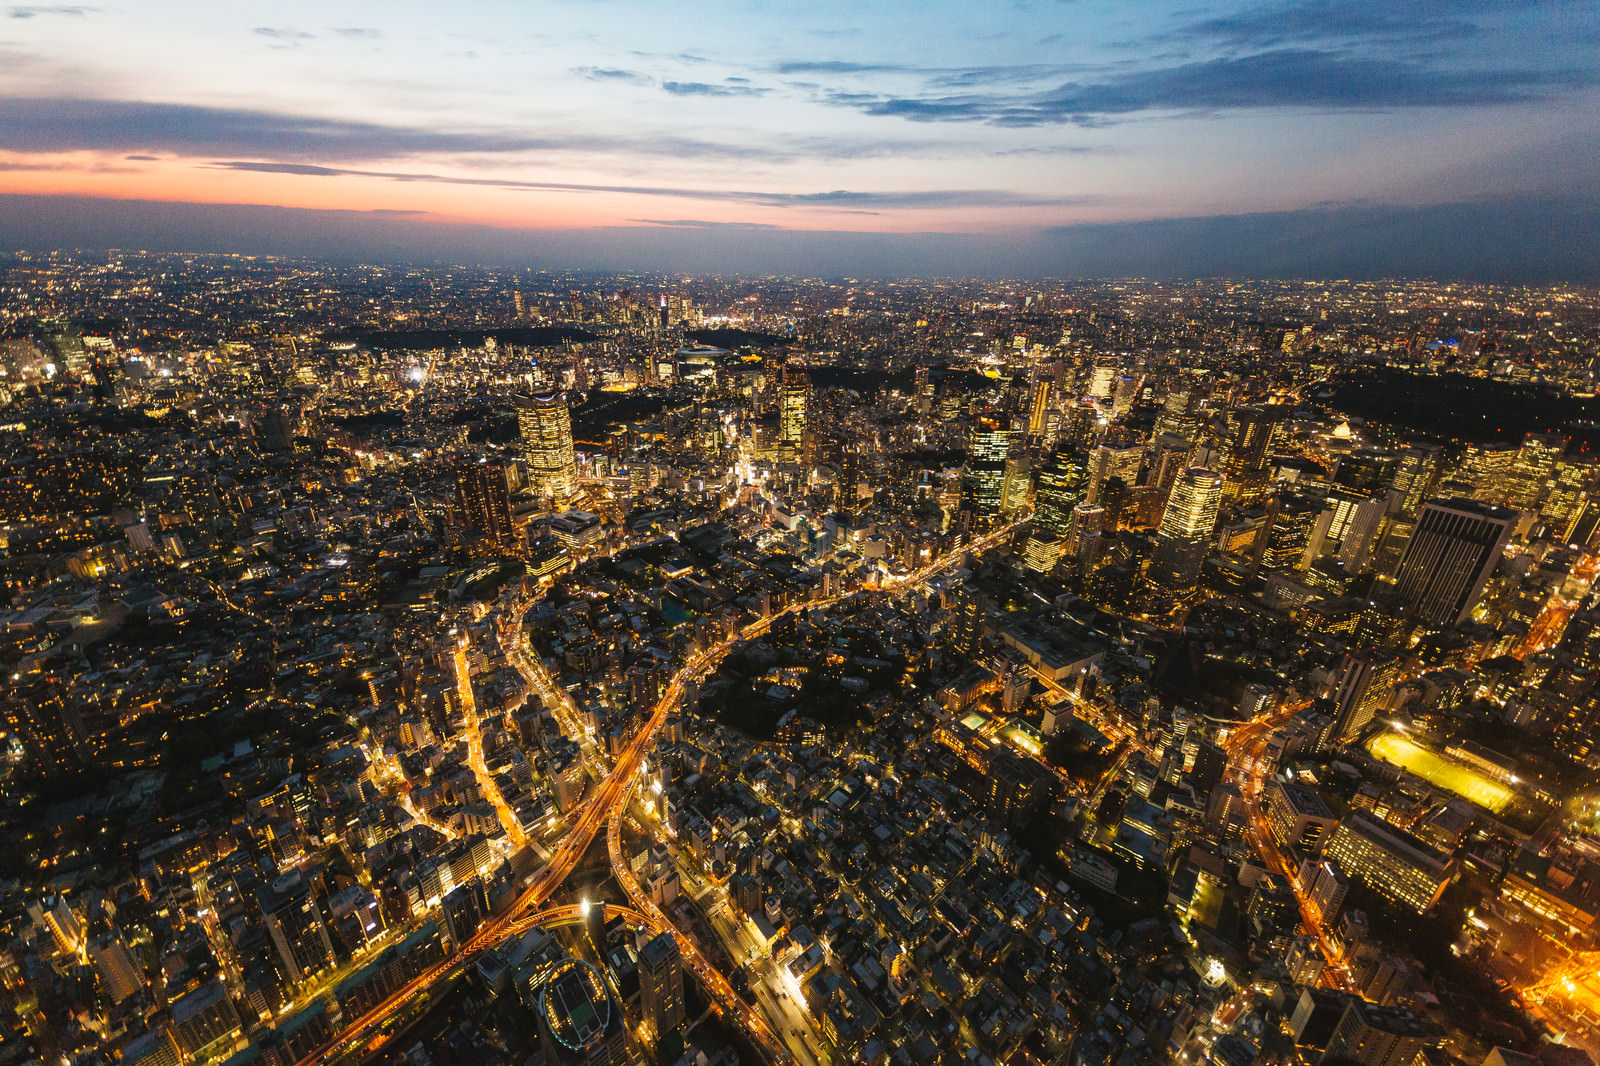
603 806
1246 748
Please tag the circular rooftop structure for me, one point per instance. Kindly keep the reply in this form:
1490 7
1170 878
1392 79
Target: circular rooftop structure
575 1006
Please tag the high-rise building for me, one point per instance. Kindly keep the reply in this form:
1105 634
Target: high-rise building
1390 861
294 924
1039 407
119 975
1452 553
1113 460
1568 500
1179 415
545 425
1532 469
1360 689
661 984
1246 450
1186 527
1415 475
483 501
1061 485
793 402
1484 473
983 476
1370 1035
1289 535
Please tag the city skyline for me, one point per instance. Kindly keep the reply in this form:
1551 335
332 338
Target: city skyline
1032 139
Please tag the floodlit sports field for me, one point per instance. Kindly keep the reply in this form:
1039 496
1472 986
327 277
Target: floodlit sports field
1441 771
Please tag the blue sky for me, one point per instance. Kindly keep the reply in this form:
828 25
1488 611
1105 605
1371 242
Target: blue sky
989 121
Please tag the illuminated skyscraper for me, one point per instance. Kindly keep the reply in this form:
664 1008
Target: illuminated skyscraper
1290 533
1246 450
1113 460
1179 415
793 401
1533 468
1060 489
983 476
1186 527
546 429
1415 475
1455 548
661 984
483 502
1359 690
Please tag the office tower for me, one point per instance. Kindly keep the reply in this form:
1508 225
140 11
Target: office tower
1039 408
1361 533
1359 690
1568 500
1122 396
1062 480
202 1018
793 400
1179 415
1041 552
1116 497
294 923
545 425
115 967
661 984
483 502
1289 535
1246 450
1415 475
1532 469
1087 535
1015 485
1370 1035
50 731
1452 553
1185 530
1169 458
1484 473
984 474
1113 460
967 609
1390 861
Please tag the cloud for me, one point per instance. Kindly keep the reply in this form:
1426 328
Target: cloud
613 74
33 11
843 198
837 66
143 158
366 33
1366 22
1282 78
700 88
65 124
62 124
285 36
700 223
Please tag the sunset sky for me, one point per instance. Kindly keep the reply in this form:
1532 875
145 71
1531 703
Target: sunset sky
996 121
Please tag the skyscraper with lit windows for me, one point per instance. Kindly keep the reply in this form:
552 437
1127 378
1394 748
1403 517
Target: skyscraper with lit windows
1186 527
545 425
